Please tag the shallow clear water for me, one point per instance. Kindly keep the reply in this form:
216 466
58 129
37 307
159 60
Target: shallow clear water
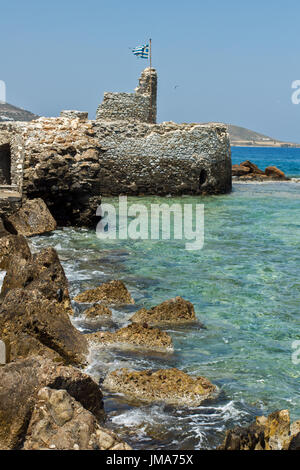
245 287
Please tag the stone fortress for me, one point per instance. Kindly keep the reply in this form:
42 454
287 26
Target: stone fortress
70 161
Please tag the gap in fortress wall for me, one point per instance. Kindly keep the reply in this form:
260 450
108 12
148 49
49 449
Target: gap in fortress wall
70 161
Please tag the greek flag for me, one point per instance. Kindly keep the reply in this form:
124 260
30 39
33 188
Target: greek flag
142 51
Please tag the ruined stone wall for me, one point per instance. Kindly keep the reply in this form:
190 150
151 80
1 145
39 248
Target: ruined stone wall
124 106
148 86
62 166
10 139
70 163
140 106
164 159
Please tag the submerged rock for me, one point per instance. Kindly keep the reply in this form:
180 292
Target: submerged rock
34 218
13 245
42 272
59 422
20 384
98 310
173 311
170 386
267 433
109 293
31 324
135 335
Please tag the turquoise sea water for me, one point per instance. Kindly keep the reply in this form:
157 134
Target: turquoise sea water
245 287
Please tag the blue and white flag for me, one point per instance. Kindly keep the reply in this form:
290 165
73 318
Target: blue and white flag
142 51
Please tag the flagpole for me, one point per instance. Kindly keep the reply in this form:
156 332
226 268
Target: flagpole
150 56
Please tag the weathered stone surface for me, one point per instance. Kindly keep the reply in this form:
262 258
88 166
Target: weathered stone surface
11 150
57 168
170 386
73 114
20 382
135 335
59 422
173 311
164 159
132 107
34 218
240 170
31 324
295 436
98 310
42 272
13 245
252 167
109 293
3 231
274 172
267 433
3 353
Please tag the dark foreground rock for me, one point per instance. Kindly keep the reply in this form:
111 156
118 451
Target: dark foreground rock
134 335
34 218
20 383
249 171
31 324
173 311
59 422
274 432
109 293
10 246
42 272
3 230
170 386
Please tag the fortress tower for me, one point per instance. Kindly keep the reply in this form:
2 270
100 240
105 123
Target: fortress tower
140 106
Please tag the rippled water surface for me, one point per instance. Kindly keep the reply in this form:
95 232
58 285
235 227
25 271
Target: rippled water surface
245 287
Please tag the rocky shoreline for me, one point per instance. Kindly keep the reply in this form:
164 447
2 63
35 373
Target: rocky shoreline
46 400
248 171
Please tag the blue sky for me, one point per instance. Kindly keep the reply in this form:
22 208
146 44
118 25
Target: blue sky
231 61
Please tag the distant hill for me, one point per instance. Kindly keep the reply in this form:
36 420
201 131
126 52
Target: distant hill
9 113
240 136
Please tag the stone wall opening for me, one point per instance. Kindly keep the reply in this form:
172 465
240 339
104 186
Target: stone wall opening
5 164
202 177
